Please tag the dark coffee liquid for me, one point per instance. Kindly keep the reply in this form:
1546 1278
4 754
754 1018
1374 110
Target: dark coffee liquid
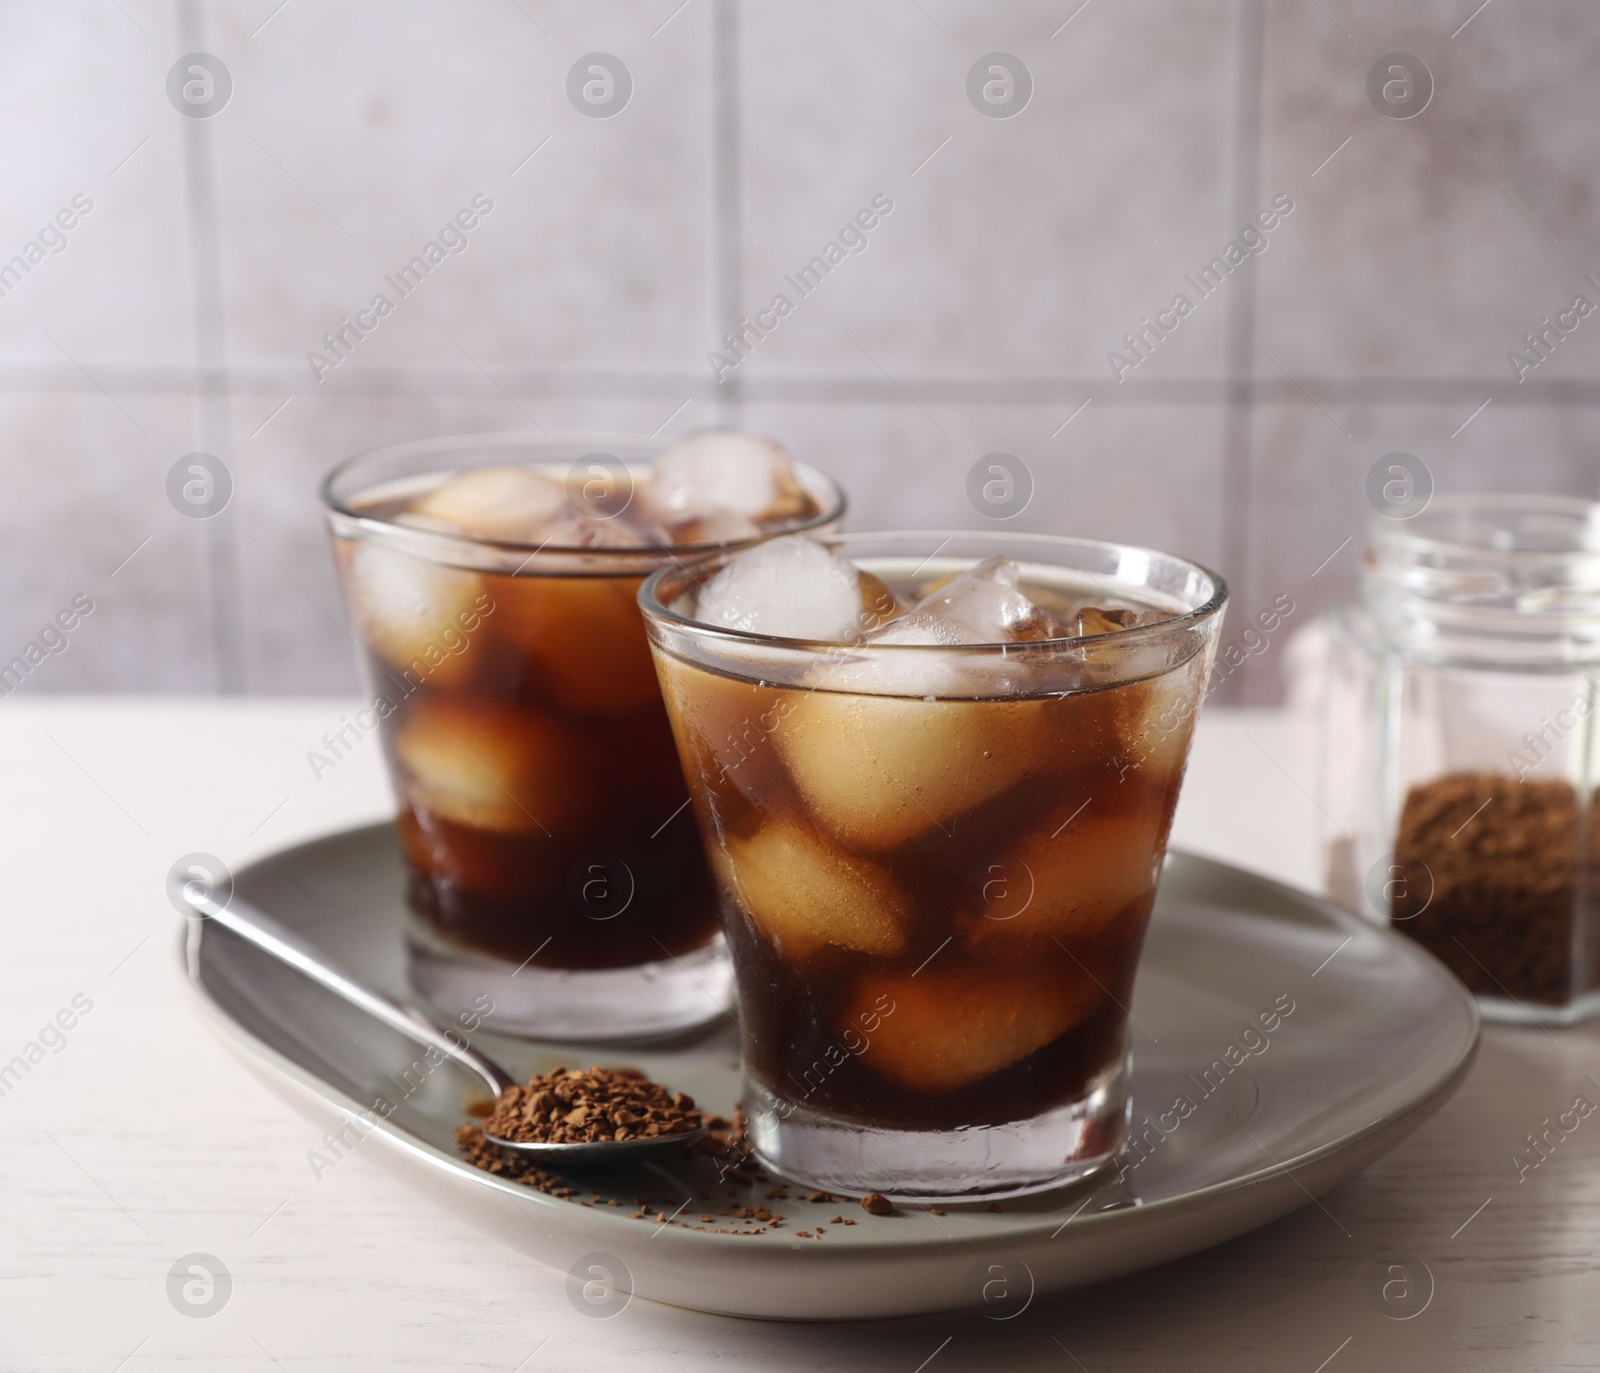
542 808
936 907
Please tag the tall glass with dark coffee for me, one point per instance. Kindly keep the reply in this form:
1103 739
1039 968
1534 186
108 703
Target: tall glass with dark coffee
552 865
935 775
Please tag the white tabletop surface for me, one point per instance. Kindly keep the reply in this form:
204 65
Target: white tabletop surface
140 1139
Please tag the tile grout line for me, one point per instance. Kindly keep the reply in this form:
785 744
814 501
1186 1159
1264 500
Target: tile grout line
1237 514
270 381
224 597
727 254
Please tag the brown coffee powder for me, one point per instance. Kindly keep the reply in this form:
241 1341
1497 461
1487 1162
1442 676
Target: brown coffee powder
578 1106
1492 882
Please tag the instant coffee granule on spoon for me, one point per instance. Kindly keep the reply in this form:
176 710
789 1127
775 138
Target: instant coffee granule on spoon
578 1106
722 1147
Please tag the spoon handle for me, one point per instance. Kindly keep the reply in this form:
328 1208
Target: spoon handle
241 918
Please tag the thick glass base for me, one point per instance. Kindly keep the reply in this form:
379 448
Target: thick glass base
645 1001
1062 1146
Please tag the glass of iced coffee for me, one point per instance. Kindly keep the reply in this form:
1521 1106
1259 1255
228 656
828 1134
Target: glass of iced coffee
553 867
934 774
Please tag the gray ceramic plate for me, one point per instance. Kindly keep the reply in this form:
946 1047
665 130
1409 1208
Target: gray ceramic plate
1280 1046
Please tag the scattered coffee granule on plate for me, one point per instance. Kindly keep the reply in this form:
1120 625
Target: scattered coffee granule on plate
728 1151
505 1163
654 1206
1507 884
574 1106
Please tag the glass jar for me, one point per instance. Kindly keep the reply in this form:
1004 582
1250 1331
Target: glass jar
1459 758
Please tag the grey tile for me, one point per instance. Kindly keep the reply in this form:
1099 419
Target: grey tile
1017 254
88 139
87 514
356 132
1426 246
1309 506
1144 475
1030 243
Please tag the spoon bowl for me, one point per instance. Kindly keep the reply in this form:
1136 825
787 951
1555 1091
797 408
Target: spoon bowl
606 1152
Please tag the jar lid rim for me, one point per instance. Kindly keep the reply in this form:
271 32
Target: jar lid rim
1515 526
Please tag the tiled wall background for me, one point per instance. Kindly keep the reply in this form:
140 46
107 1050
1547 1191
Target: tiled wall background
178 316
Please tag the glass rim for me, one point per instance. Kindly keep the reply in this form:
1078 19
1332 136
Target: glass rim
521 439
654 609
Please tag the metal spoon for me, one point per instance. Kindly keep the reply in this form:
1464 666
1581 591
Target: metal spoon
268 935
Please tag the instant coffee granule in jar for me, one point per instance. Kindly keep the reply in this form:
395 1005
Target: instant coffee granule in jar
1493 883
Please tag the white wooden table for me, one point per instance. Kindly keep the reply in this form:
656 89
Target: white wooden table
137 1139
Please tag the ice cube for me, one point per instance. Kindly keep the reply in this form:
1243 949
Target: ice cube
804 894
979 606
929 672
418 616
879 604
949 1027
1093 619
491 766
508 504
919 627
881 620
572 529
586 635
878 770
711 526
1069 878
792 587
724 469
